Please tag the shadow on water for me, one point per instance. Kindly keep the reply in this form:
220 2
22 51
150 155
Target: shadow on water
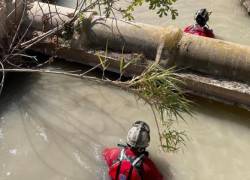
35 108
166 171
222 112
15 87
20 85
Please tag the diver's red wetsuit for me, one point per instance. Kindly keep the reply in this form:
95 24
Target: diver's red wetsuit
145 169
200 31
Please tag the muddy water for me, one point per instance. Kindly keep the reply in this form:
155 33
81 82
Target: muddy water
54 127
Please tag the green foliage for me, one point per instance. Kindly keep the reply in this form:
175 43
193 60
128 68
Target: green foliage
104 61
162 8
79 25
160 89
172 140
125 64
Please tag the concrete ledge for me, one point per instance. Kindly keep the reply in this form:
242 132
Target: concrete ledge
229 92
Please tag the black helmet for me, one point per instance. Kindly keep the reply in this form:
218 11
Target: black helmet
201 17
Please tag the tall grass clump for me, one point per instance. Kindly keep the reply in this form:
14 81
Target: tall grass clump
160 88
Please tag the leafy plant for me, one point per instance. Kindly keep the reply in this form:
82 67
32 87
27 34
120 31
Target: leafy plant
162 8
159 88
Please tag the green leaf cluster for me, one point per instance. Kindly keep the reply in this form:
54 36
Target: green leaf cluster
160 88
161 7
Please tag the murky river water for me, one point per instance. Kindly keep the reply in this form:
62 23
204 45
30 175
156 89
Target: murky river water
54 127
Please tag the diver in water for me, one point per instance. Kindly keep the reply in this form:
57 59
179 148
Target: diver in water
131 161
200 27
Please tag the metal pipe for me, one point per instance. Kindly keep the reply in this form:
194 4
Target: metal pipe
175 48
206 55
